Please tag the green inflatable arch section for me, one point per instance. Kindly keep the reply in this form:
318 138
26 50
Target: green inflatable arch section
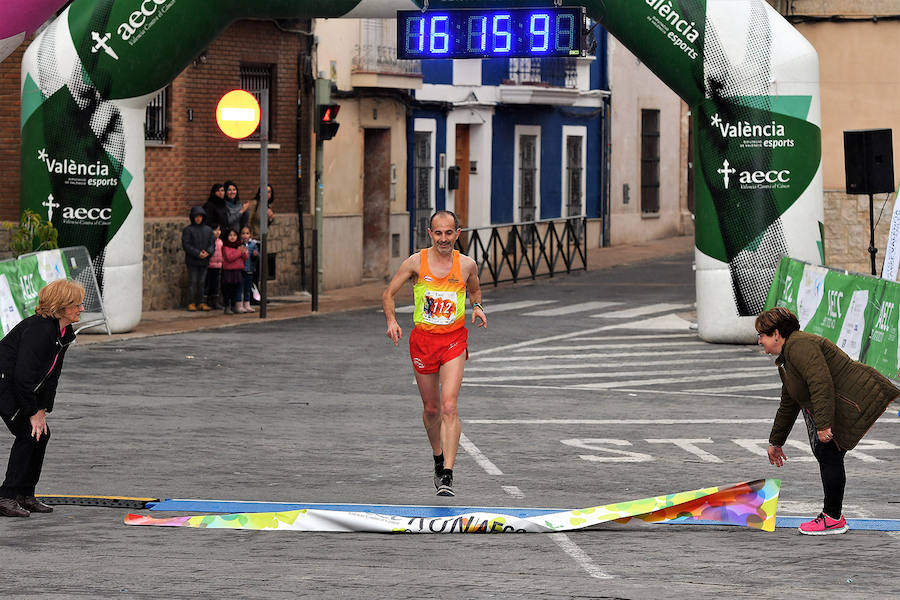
750 79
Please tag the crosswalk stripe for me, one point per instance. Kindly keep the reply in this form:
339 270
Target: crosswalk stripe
732 373
631 391
717 352
638 311
644 382
650 336
617 421
775 385
721 362
508 306
571 308
615 346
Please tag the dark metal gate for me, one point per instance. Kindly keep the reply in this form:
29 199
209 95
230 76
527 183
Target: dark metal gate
527 250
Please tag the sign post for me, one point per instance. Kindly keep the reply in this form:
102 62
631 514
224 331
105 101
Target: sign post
238 114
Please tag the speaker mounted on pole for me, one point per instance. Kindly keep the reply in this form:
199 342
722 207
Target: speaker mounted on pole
869 169
869 161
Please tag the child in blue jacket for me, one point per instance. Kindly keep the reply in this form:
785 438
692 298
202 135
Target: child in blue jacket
250 261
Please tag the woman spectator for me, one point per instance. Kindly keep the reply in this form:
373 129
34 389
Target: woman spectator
215 206
236 214
31 359
840 399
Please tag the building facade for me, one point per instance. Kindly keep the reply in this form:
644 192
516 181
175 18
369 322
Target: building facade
186 152
857 41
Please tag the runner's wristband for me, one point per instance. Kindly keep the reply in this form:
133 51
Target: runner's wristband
478 305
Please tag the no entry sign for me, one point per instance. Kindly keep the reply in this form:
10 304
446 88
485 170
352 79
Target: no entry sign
238 114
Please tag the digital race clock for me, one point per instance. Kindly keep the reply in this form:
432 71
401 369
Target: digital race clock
463 33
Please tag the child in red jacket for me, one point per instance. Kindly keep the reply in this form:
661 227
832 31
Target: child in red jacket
233 256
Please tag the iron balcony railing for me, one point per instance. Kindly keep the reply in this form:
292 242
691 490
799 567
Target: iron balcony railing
526 250
552 72
382 59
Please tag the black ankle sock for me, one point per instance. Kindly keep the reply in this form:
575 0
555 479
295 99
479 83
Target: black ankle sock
448 472
438 459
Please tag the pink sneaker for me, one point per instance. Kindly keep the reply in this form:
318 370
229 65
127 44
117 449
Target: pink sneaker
824 525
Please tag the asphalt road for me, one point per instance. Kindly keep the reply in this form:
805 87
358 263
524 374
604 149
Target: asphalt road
584 390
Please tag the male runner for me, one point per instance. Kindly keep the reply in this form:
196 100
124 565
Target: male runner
437 344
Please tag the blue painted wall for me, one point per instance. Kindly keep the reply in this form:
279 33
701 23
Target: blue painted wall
551 120
437 72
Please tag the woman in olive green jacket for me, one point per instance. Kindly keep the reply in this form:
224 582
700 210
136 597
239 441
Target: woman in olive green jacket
840 400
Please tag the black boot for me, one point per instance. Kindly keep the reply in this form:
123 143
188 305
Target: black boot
33 504
10 508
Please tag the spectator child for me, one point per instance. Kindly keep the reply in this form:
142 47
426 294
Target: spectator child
250 260
214 273
199 243
233 256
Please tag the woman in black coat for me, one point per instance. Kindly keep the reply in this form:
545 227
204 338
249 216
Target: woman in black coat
31 359
216 213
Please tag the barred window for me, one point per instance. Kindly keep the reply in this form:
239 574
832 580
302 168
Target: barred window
423 170
574 172
255 79
649 161
156 118
527 177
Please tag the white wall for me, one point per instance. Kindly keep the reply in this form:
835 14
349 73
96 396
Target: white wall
634 87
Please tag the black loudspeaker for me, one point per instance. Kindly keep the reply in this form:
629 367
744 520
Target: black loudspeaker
869 161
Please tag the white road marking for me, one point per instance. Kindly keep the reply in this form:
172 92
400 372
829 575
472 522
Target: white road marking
482 460
614 365
562 336
652 336
670 322
617 421
775 385
690 445
638 311
732 373
579 555
632 391
714 394
573 347
664 381
507 358
571 308
513 491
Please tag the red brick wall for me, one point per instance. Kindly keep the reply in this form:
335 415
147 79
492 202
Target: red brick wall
180 173
10 102
196 155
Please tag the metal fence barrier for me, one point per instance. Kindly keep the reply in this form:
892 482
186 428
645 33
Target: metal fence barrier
526 250
37 269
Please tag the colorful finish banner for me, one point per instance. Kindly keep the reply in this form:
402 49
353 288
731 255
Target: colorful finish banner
857 312
751 504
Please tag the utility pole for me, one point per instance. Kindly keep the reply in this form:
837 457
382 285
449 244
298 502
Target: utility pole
263 205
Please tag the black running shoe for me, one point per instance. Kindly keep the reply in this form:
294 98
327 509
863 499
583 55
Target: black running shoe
445 485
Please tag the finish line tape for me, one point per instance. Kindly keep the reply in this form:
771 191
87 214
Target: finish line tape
751 504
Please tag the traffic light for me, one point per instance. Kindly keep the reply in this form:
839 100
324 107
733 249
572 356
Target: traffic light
327 124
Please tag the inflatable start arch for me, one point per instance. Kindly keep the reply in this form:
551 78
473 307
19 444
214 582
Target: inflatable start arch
750 79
